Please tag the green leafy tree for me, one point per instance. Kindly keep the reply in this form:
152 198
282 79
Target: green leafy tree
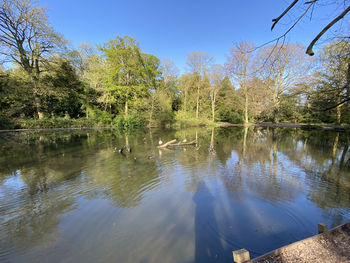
64 89
230 106
15 99
170 82
124 71
217 75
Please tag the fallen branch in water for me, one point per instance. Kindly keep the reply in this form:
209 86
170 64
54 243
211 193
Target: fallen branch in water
173 143
184 143
167 143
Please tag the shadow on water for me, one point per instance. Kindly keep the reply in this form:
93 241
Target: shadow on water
208 247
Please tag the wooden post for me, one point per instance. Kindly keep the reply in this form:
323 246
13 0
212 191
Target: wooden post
241 255
322 228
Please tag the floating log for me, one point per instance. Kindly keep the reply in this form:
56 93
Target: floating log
173 143
167 143
183 143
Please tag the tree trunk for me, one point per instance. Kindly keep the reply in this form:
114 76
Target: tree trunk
213 106
246 106
339 112
126 108
185 100
339 115
197 108
37 100
152 108
126 99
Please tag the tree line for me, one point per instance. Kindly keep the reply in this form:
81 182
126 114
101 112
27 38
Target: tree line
45 83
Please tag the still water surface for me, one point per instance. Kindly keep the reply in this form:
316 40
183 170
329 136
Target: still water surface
70 196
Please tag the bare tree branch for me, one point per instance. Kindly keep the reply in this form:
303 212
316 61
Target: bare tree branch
336 105
324 30
282 15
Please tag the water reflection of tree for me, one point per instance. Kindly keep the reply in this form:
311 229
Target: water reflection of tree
265 157
55 172
321 155
258 166
124 179
275 165
198 161
35 222
253 159
42 162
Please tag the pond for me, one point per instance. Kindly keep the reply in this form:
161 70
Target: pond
70 196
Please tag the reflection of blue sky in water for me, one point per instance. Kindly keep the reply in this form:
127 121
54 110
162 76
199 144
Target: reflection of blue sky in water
81 199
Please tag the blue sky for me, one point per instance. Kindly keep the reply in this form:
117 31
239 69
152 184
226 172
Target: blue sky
172 29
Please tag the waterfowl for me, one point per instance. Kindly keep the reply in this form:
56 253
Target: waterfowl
160 142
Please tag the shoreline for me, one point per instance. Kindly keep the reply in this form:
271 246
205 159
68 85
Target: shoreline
327 127
59 129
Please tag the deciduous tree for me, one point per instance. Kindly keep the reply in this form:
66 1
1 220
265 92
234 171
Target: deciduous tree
240 66
282 68
198 63
27 40
217 75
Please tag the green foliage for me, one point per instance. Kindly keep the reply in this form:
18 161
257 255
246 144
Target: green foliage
229 105
100 117
16 99
130 74
330 99
46 123
6 123
63 90
229 115
289 109
130 121
185 119
117 84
